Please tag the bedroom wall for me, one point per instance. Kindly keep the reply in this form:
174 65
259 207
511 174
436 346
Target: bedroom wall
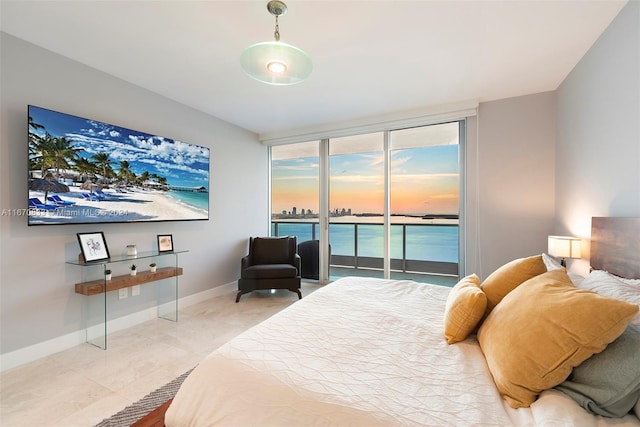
598 147
513 180
37 299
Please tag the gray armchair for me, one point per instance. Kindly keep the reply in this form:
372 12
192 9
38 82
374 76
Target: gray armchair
272 263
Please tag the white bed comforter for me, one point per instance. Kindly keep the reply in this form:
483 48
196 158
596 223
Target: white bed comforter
358 352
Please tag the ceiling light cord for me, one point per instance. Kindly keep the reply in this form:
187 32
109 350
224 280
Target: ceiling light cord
276 34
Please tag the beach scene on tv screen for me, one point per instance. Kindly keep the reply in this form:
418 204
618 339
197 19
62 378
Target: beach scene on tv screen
85 171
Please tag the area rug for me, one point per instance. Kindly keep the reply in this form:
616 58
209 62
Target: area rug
151 401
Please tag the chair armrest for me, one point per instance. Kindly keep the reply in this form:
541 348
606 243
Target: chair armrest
296 263
245 263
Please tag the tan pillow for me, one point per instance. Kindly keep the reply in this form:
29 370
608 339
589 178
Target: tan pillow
465 307
510 276
542 330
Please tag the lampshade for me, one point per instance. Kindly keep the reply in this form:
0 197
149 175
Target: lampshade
275 62
564 246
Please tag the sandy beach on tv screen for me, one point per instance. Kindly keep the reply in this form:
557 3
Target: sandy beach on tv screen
112 205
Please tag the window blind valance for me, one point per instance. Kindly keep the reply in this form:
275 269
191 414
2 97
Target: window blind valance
393 121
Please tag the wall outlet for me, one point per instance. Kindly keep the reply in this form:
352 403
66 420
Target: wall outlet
123 293
135 290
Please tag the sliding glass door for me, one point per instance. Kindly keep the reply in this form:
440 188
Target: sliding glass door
356 201
390 201
425 202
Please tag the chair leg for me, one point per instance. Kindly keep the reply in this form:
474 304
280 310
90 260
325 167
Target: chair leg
238 296
297 291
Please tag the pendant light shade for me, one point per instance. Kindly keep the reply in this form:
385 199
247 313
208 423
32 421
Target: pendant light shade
275 62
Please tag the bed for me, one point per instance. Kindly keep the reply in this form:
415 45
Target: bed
372 352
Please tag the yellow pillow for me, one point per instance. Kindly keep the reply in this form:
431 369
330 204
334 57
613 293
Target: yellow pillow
510 276
465 307
542 330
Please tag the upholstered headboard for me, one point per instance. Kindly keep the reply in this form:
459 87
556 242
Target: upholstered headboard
615 246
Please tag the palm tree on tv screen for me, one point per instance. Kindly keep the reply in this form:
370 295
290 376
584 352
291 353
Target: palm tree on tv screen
62 152
85 168
125 173
144 177
104 164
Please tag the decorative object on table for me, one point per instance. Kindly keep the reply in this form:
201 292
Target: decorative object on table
153 267
132 250
107 274
134 270
564 247
165 243
275 62
93 246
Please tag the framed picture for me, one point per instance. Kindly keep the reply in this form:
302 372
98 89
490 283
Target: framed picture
93 246
165 243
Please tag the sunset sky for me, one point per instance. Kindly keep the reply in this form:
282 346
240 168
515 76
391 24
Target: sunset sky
423 180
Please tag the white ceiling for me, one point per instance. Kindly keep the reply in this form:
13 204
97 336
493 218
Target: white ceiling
370 58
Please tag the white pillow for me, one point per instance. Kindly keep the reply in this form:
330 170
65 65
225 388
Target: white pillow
576 279
632 282
551 262
608 285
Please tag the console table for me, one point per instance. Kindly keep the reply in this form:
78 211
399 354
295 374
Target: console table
99 290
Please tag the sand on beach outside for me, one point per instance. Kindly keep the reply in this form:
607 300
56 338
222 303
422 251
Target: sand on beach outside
130 205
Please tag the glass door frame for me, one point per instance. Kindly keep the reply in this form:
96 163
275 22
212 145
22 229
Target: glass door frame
324 193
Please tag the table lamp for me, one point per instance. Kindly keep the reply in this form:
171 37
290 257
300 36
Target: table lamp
564 247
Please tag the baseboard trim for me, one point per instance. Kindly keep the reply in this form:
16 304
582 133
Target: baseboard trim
37 351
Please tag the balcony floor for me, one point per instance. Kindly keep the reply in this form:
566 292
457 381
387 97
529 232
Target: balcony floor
338 272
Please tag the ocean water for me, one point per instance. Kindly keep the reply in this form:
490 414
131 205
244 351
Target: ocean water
193 199
425 242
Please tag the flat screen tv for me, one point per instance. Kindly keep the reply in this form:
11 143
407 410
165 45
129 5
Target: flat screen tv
83 171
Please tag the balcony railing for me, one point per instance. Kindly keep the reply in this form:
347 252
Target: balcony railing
347 250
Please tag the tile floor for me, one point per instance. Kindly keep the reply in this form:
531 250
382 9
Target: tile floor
83 385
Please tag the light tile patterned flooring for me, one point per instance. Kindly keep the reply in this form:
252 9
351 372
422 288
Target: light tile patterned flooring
83 385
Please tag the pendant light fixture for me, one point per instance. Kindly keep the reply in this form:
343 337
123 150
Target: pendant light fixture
275 62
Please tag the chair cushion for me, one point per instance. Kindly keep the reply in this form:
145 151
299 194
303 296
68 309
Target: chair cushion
270 271
271 250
